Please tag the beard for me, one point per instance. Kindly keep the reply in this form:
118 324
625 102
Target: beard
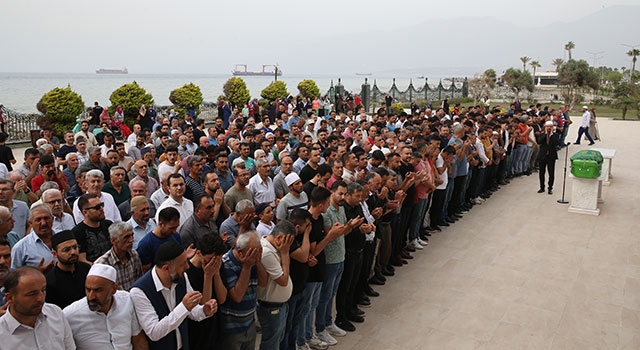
96 305
176 278
70 261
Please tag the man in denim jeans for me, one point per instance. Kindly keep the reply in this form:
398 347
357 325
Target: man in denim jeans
272 298
334 264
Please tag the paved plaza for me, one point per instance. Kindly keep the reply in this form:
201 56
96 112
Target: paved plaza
520 272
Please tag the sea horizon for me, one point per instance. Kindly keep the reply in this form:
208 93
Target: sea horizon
21 91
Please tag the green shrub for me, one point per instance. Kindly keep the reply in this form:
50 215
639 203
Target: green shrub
308 89
235 90
182 97
397 108
61 107
130 96
277 89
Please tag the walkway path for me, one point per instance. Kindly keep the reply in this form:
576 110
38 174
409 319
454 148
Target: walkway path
520 272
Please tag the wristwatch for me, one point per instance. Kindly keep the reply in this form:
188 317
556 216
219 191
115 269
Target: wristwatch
27 190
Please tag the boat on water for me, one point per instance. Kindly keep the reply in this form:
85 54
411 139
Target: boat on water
266 73
112 71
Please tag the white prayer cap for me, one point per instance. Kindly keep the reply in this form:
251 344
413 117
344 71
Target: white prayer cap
104 271
291 179
548 123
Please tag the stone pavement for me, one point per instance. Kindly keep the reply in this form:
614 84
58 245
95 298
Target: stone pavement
520 272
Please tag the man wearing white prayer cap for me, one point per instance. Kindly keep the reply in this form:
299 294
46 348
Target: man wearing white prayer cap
105 318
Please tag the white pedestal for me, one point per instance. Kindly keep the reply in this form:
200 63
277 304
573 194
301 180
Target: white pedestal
608 155
585 195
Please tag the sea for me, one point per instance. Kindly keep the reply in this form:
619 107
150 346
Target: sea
21 91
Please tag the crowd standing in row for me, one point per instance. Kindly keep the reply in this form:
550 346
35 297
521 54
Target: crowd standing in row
182 236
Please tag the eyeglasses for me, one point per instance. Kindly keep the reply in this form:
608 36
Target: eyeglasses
54 201
96 207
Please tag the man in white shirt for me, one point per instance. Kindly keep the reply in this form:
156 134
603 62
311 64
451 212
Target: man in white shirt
29 322
61 221
105 318
176 198
94 182
163 299
584 126
171 164
261 184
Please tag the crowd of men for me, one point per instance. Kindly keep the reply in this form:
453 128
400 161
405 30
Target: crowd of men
183 236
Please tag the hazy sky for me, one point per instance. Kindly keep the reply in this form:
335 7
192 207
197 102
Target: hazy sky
198 36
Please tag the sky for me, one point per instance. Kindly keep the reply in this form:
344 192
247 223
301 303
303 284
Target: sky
198 36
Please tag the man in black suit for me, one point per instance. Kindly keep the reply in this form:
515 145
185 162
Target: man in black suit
548 142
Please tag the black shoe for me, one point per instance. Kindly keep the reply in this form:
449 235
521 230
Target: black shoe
345 325
379 276
356 311
368 291
405 255
364 302
550 191
576 143
443 223
353 318
397 261
376 281
435 228
388 272
451 220
592 143
541 190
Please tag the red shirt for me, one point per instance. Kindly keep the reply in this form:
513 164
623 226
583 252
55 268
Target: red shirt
37 181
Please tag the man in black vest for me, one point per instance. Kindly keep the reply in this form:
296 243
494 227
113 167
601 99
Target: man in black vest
157 295
549 143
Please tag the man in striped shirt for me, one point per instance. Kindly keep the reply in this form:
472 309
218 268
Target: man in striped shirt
242 272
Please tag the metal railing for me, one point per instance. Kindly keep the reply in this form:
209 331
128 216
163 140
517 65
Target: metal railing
18 125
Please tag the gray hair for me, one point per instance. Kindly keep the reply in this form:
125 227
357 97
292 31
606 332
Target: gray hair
15 173
284 227
4 210
46 146
258 151
7 181
47 185
243 205
193 159
94 149
458 128
48 192
113 170
40 207
69 155
261 161
244 240
118 228
94 173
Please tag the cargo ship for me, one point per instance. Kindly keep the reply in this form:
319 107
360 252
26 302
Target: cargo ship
112 71
244 72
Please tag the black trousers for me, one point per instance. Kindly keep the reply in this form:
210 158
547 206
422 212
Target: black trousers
458 187
550 166
367 262
435 213
345 298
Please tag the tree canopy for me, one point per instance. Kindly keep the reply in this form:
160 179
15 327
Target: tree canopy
575 75
61 107
235 90
130 96
185 95
518 81
308 89
277 89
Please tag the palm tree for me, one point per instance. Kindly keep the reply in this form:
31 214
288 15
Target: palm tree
557 62
569 46
524 61
634 53
535 65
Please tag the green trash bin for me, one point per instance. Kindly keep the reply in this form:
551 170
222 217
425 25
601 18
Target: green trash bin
586 164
